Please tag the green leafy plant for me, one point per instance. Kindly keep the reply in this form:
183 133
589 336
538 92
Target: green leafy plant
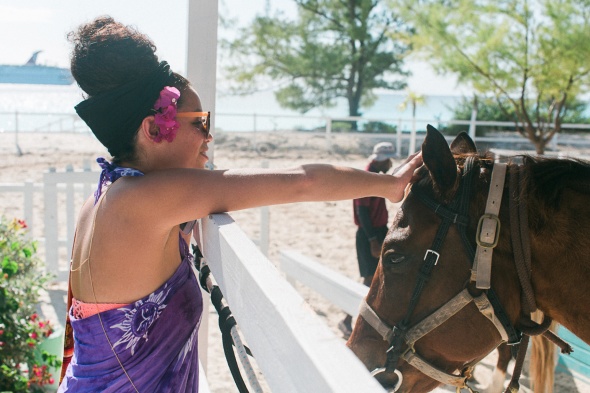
492 109
23 366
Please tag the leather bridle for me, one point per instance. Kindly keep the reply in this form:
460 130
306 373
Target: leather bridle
455 213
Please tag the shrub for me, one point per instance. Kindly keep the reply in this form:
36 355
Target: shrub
23 367
488 109
379 128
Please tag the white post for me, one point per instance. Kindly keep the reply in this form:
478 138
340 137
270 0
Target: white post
398 141
70 213
29 191
50 225
264 224
19 152
413 137
472 124
204 328
201 70
329 132
201 67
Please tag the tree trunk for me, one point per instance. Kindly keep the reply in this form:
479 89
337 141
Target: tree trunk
540 145
353 110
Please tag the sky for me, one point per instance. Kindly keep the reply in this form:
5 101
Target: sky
27 26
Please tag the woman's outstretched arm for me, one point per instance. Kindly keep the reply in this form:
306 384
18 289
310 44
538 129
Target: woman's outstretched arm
180 195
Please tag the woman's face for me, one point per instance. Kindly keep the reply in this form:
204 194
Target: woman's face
192 137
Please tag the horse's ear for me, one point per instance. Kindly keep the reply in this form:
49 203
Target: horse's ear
439 160
463 144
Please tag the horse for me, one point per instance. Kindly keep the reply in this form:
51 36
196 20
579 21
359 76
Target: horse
431 312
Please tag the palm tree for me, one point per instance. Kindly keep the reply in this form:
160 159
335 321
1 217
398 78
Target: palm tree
414 99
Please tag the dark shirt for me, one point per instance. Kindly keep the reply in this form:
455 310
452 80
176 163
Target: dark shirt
370 212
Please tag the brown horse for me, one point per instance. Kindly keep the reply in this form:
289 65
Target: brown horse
427 320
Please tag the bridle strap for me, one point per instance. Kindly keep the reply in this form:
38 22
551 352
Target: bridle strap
460 204
430 323
488 230
433 372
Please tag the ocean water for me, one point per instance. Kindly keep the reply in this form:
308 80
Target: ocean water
51 109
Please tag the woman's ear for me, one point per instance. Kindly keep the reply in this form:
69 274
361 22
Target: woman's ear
149 129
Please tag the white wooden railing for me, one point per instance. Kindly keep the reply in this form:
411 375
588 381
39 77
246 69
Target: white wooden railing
294 349
340 290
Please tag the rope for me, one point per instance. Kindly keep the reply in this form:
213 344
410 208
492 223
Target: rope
518 227
522 260
514 385
229 332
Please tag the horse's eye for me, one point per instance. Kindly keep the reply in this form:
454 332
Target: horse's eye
394 258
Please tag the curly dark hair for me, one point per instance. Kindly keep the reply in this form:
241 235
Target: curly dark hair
108 54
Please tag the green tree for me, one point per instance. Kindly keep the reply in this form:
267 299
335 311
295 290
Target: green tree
532 55
333 49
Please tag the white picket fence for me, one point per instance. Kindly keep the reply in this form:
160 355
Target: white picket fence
56 236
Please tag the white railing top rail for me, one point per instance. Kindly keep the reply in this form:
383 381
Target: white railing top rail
294 349
340 290
387 119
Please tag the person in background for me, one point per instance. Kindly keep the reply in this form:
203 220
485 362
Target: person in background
371 218
134 304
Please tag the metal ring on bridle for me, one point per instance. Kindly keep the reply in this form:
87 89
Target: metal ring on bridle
400 377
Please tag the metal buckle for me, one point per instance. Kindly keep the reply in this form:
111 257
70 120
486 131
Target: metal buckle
433 252
478 240
410 348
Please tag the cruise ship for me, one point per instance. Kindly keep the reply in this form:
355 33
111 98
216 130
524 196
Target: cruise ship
35 74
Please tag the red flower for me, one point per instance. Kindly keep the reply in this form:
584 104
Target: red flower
31 344
34 317
33 335
41 324
22 223
1 344
1 332
51 381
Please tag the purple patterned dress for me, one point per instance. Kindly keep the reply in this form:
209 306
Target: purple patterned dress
155 339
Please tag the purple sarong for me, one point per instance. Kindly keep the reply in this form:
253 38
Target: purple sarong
155 339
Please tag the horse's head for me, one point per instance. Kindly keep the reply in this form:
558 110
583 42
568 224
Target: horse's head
422 267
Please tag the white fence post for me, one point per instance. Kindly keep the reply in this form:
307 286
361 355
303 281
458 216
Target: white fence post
412 148
29 190
329 133
472 123
398 139
50 224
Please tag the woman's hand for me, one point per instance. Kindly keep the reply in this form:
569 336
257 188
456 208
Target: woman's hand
405 174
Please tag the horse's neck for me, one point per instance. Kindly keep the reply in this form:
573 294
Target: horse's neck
561 263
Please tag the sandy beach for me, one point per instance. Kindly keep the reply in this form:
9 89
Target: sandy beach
323 231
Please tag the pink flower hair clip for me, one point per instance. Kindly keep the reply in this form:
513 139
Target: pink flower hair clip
165 117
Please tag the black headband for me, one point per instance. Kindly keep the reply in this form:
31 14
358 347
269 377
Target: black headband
115 115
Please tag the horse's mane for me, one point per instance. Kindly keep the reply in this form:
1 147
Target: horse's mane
548 177
545 180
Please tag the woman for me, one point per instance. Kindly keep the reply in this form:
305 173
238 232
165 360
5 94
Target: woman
135 306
